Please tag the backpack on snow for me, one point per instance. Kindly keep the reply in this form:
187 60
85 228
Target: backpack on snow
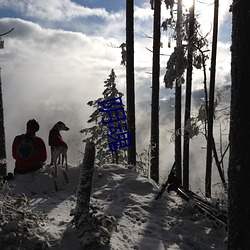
26 148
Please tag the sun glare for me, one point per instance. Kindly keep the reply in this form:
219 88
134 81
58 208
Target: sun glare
187 3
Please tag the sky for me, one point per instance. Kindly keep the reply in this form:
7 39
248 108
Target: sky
61 51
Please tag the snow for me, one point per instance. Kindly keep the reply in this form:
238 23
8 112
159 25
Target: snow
141 221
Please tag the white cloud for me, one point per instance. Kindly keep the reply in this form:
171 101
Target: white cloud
53 10
47 70
143 13
44 69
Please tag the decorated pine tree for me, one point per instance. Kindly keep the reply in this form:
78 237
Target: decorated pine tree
103 126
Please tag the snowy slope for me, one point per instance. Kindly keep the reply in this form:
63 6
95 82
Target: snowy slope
141 221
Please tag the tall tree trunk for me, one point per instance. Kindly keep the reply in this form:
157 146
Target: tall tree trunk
154 168
3 161
130 80
188 98
239 159
211 102
178 91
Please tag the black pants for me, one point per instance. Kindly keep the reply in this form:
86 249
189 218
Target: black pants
25 171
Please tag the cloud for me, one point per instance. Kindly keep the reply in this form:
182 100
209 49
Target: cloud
56 10
56 60
47 71
205 13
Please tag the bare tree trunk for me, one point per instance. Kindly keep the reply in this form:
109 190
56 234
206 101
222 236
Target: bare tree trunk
3 162
93 229
81 215
216 158
130 80
154 168
188 98
211 102
239 159
178 158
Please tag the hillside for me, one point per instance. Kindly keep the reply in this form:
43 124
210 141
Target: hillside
141 221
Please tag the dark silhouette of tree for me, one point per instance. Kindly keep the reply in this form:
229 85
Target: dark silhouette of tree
98 132
3 162
154 166
130 80
239 159
178 155
188 53
210 139
188 96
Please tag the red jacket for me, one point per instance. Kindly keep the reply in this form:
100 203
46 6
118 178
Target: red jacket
55 139
37 159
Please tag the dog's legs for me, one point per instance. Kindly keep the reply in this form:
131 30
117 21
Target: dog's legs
63 157
57 152
56 170
55 158
66 161
51 156
59 159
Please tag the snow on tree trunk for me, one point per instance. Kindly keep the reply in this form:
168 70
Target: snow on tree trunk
93 228
84 186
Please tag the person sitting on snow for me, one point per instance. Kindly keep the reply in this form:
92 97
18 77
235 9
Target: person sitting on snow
29 150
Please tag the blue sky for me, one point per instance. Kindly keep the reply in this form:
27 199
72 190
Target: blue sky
61 52
109 5
67 14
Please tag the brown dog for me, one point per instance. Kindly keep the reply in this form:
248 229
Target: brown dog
58 146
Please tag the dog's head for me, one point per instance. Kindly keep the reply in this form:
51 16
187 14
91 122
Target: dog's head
61 126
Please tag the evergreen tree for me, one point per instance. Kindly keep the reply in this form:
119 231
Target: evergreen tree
187 111
187 54
99 132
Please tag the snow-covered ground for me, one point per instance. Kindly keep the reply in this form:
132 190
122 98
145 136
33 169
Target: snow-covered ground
141 221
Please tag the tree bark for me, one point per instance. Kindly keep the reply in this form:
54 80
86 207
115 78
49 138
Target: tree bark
211 103
3 161
188 97
178 158
239 159
83 193
130 80
154 168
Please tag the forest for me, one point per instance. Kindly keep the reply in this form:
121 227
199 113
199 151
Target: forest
214 118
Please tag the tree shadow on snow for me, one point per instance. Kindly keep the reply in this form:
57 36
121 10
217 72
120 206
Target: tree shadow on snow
39 187
167 223
124 191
